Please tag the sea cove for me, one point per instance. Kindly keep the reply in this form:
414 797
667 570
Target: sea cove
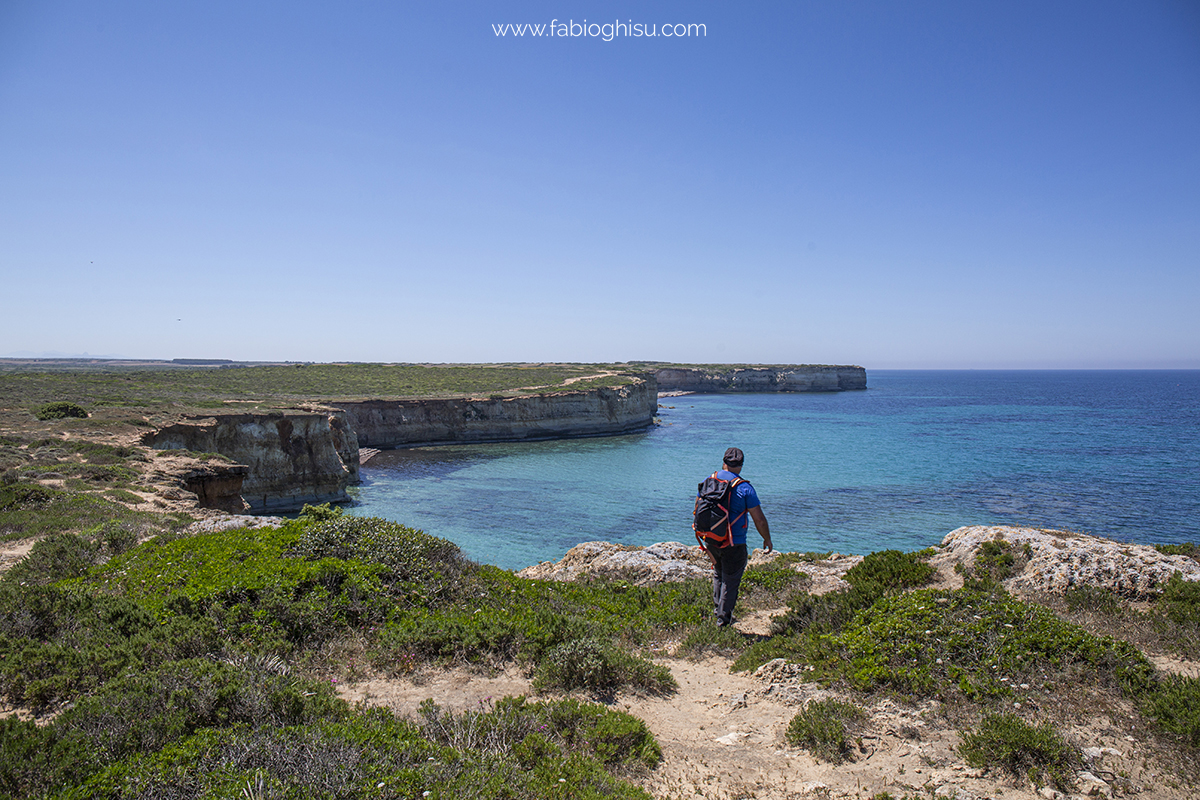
1112 453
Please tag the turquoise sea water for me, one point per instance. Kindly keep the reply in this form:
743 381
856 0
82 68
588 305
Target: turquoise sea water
1113 453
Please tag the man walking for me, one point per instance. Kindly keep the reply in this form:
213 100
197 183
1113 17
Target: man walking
729 562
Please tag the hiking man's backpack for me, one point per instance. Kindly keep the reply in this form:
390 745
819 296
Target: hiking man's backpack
711 522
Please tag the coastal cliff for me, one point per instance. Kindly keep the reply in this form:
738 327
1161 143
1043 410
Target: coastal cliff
805 378
593 412
291 459
287 459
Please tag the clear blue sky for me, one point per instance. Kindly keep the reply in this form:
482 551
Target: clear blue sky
892 184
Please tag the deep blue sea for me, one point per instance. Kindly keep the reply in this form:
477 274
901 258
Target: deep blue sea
1112 453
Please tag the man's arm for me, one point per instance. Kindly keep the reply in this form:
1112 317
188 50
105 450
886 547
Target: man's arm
764 530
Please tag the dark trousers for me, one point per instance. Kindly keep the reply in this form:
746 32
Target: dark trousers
728 565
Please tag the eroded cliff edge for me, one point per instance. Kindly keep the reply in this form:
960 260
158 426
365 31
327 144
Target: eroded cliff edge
605 411
295 457
802 378
292 458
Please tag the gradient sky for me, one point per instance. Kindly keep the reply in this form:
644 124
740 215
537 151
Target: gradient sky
891 184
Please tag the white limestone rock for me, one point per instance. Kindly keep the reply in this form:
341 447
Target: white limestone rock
1062 560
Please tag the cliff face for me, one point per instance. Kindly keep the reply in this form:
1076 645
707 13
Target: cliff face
292 459
593 412
763 379
311 457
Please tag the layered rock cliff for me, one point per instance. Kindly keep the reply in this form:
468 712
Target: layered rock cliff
806 378
593 412
292 458
302 457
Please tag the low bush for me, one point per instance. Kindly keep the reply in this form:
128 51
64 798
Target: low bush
516 750
1005 741
1092 599
1180 600
821 728
980 645
994 561
57 557
434 566
28 509
877 575
123 496
890 571
612 737
821 613
320 513
972 644
596 666
1190 549
711 639
1175 706
772 583
60 410
145 711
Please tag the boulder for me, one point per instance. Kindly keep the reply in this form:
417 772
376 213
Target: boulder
664 562
1062 560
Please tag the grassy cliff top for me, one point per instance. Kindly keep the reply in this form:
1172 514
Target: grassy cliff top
26 384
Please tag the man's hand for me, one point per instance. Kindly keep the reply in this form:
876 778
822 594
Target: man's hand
764 530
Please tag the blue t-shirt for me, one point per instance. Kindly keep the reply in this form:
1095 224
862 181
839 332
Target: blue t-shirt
744 498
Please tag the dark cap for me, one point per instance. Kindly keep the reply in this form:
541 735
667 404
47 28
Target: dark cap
733 457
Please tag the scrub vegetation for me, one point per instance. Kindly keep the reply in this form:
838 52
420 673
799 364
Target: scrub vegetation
202 655
981 652
56 485
72 393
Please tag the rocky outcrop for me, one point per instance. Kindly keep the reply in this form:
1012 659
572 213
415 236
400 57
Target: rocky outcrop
217 486
594 412
290 458
664 562
1055 561
804 378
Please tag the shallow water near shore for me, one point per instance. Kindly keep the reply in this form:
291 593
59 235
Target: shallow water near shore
1111 453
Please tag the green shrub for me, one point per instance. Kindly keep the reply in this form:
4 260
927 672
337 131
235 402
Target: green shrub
373 754
142 712
934 643
1092 599
612 737
821 613
60 410
596 666
27 509
1175 706
57 557
320 513
409 554
890 571
976 644
792 648
821 729
23 750
57 644
1180 600
994 561
118 537
772 582
1190 549
123 496
725 640
1005 741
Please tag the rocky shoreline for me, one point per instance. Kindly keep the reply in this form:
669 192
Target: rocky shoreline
1054 563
